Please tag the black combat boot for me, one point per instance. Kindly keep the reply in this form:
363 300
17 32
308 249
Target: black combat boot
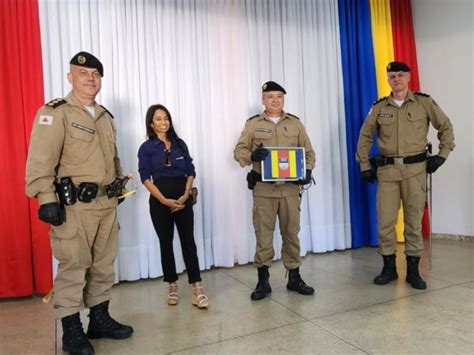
296 283
389 271
263 286
413 276
102 325
75 341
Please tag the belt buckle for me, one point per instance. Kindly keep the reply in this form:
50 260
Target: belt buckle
398 161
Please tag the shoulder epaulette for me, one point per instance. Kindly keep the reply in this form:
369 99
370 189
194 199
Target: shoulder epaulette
379 100
291 115
56 103
421 94
107 111
255 116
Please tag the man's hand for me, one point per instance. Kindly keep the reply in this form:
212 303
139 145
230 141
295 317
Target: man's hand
368 176
306 180
434 163
51 213
259 154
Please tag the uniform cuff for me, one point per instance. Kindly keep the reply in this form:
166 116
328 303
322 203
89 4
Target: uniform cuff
365 166
46 197
443 153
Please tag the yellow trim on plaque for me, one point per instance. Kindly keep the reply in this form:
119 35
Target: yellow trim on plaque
274 162
292 162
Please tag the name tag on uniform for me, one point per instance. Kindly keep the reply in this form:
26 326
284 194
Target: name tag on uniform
84 128
284 164
179 158
266 130
385 115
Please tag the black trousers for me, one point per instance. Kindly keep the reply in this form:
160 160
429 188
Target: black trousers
164 221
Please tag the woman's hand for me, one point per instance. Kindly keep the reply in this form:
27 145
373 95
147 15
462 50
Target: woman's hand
176 209
182 200
172 204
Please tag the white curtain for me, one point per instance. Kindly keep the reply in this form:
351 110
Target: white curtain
206 62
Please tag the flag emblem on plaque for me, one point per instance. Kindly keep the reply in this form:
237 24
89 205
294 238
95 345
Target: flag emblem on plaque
284 164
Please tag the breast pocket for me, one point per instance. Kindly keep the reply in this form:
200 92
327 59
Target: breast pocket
290 137
386 125
262 137
417 121
78 144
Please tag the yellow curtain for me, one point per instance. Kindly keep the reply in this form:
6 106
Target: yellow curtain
381 22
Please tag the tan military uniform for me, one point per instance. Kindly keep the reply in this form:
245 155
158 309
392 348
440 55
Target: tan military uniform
66 141
402 132
279 198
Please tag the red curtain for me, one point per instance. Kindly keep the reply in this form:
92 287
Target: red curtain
405 51
25 254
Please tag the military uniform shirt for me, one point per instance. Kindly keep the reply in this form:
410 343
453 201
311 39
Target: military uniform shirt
67 141
402 132
288 132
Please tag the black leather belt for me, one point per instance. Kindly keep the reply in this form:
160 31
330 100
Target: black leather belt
382 161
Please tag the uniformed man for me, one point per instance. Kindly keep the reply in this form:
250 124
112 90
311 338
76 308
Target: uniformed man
72 163
275 128
401 121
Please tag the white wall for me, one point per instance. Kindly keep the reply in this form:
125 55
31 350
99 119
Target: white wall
445 41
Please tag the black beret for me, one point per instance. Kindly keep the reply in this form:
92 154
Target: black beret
272 86
87 60
397 66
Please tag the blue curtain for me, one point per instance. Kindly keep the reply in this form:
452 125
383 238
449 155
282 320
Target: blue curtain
360 90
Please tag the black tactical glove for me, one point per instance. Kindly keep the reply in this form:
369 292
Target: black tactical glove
51 213
368 176
306 180
259 154
434 163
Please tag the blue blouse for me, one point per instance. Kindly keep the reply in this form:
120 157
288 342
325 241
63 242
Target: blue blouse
151 161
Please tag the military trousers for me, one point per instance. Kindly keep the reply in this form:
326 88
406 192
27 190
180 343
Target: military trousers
86 247
265 211
412 192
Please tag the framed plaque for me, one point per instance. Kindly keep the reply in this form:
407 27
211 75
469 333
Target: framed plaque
284 164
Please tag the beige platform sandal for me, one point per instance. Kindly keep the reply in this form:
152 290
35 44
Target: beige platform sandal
173 298
200 300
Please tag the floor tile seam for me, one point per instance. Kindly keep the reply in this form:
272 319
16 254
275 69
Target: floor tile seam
380 303
235 279
338 337
239 336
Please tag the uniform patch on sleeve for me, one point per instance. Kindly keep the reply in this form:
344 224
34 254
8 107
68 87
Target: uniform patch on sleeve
45 119
84 128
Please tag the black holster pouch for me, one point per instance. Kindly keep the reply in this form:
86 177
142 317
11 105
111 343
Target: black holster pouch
114 189
252 178
87 191
66 191
375 162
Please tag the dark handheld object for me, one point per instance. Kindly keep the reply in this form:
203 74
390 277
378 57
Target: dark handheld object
252 178
434 163
259 154
306 180
51 213
368 176
87 191
116 187
66 191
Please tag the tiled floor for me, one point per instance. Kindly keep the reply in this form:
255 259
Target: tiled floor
347 315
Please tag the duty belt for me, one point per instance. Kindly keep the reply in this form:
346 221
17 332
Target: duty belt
382 160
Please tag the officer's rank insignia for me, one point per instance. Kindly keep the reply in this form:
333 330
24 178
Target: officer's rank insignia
46 120
81 59
56 103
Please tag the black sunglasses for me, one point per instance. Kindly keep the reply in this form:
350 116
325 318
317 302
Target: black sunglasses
167 157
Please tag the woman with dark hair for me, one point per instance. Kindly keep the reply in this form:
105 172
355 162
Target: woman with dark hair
167 171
